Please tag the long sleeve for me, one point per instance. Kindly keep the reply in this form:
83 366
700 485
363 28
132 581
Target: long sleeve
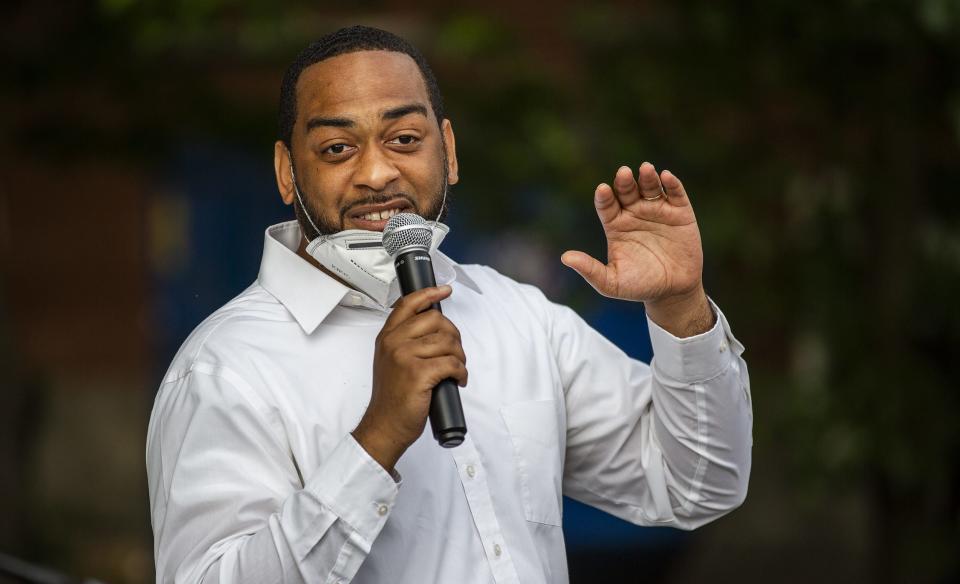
227 499
665 444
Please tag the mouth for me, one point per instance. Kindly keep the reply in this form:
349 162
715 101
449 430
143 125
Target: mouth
375 217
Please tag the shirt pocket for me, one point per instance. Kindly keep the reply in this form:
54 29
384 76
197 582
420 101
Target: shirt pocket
535 434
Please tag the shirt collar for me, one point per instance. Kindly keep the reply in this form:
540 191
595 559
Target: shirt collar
307 292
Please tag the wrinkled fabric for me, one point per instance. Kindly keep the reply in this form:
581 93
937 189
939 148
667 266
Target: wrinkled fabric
254 476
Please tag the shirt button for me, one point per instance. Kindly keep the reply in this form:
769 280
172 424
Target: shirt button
723 346
497 551
356 299
382 510
471 471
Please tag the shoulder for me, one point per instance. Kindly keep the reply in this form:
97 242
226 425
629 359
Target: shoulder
214 366
230 330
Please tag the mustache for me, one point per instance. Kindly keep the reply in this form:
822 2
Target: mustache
376 199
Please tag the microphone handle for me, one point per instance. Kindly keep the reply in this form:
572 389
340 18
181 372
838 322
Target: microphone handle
415 272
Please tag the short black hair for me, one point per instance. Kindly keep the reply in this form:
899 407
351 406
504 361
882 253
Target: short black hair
348 40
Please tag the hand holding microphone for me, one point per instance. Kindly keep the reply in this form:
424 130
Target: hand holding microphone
418 360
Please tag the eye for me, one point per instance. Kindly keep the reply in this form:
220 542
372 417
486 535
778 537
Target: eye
406 140
337 149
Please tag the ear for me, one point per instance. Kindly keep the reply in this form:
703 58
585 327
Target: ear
281 167
450 143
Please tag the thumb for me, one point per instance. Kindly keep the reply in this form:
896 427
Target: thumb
590 269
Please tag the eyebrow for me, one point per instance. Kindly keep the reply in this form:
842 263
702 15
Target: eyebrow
404 110
330 122
391 114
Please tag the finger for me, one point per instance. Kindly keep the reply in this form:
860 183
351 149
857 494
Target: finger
590 269
437 345
625 186
606 204
429 322
414 303
425 323
650 187
440 368
676 194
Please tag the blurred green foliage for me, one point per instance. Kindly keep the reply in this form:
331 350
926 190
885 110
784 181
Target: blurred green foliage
820 143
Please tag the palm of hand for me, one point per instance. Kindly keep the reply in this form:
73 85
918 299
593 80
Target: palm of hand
653 247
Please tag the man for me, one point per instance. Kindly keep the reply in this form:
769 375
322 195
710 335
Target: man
288 442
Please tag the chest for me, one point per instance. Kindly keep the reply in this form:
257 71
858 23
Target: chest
513 406
327 383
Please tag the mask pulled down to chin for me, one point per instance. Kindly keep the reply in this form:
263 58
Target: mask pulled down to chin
357 257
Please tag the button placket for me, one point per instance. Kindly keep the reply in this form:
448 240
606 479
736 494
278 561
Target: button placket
484 517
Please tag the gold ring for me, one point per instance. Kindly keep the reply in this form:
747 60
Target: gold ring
660 194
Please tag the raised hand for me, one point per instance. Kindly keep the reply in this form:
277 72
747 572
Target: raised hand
654 254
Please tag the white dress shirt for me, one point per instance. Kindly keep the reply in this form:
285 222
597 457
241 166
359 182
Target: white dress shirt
254 476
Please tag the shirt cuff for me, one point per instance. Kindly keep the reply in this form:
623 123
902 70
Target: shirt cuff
696 358
356 488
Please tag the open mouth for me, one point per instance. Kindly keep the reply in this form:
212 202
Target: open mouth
375 217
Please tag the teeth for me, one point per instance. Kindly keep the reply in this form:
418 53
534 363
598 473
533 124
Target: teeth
379 216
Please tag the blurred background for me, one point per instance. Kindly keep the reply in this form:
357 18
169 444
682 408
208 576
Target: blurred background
820 143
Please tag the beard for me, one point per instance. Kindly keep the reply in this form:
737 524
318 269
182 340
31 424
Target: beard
436 206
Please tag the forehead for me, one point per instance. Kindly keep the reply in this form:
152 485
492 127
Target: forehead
355 83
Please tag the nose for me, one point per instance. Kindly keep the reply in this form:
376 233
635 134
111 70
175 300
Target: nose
376 170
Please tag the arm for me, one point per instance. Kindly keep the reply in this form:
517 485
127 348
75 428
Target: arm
667 444
227 501
675 435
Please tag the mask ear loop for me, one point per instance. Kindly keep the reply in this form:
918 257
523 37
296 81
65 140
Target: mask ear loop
296 189
443 203
443 206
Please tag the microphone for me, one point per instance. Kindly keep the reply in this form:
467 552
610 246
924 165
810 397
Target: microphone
407 239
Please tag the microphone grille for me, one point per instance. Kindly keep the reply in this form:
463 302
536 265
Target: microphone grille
406 230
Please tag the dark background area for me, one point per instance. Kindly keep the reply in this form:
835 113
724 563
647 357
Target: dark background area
819 141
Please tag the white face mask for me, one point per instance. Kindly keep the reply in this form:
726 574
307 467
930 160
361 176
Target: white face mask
358 258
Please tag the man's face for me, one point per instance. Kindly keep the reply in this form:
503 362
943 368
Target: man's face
366 144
